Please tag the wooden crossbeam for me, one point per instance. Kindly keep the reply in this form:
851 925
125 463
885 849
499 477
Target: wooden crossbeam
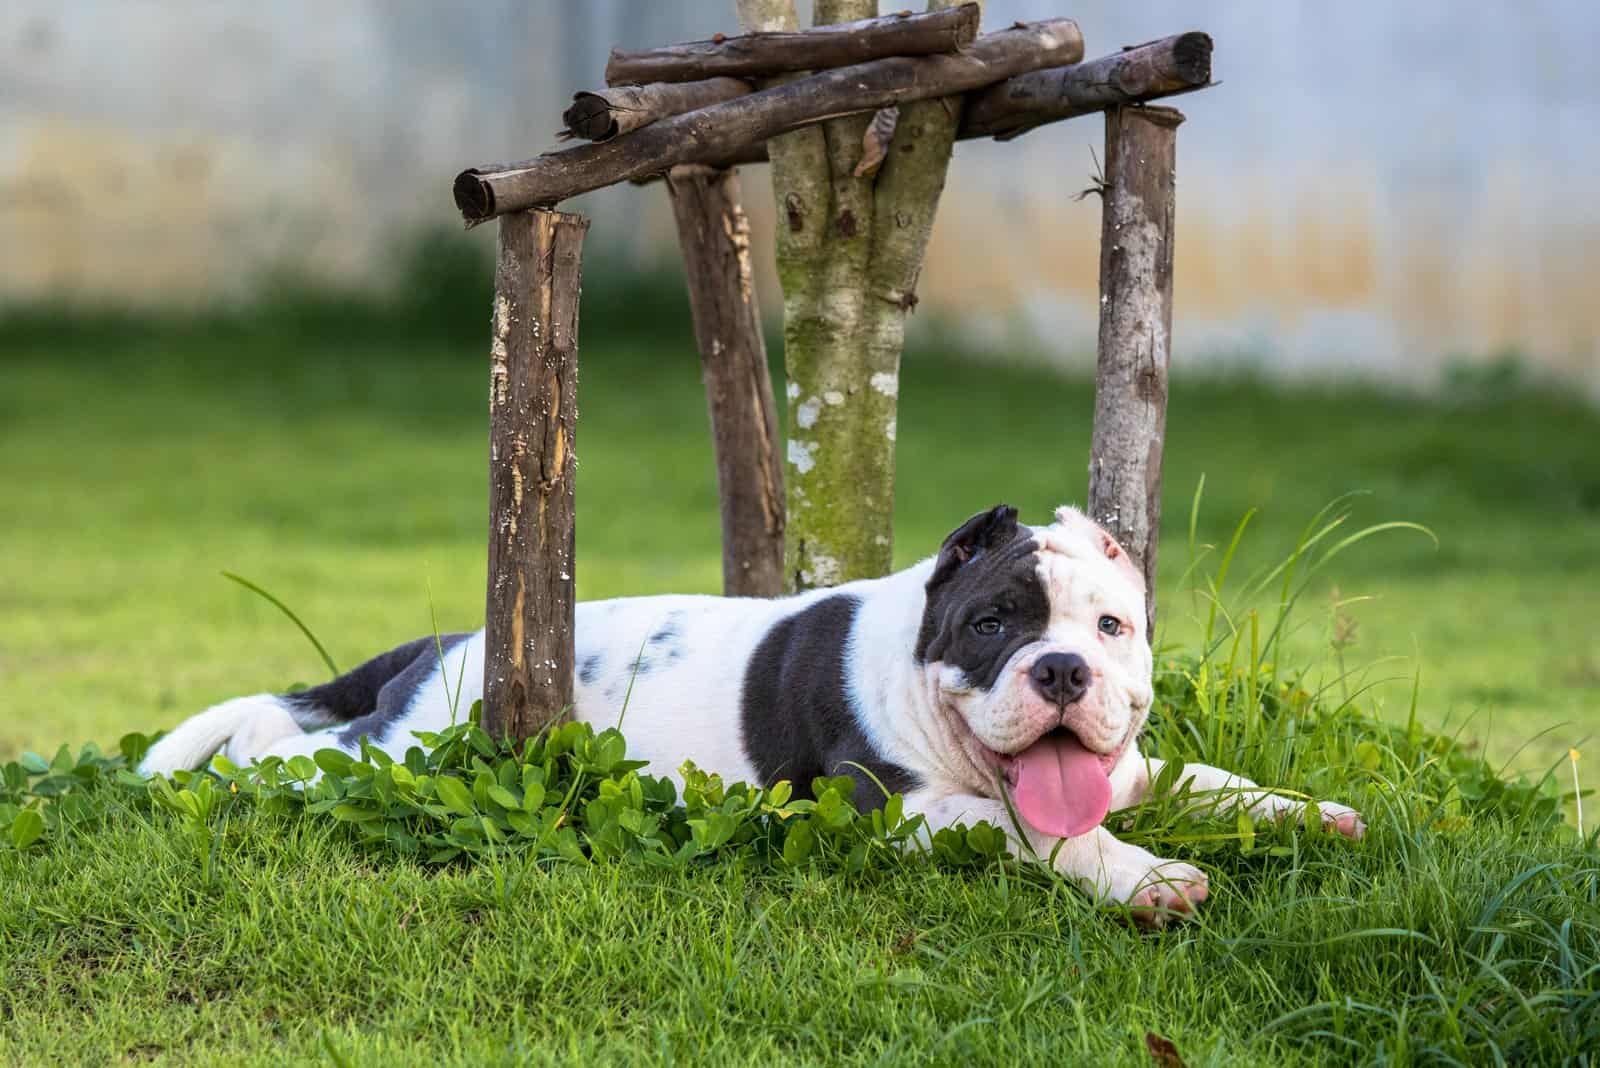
1008 109
721 130
601 114
762 55
1172 65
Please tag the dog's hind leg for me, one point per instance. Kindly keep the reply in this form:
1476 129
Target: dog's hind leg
259 735
239 724
250 727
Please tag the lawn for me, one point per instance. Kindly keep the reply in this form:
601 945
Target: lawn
346 473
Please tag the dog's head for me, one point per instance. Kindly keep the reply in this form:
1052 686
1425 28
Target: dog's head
1033 639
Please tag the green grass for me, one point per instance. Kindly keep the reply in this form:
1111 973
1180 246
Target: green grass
239 919
245 927
300 946
348 477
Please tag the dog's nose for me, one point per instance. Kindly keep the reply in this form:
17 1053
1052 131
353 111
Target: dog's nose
1061 678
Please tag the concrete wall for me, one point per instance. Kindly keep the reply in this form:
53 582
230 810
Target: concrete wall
1372 188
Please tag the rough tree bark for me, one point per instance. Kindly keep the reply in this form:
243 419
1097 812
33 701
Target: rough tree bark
601 114
721 131
905 202
850 243
1024 102
715 238
1130 396
533 384
1172 65
773 52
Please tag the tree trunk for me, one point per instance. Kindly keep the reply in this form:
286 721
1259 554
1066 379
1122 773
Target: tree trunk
1130 406
715 238
533 416
906 199
850 242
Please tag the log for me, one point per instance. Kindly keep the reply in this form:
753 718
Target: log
762 55
715 238
1011 108
1135 349
1172 65
720 130
533 383
602 114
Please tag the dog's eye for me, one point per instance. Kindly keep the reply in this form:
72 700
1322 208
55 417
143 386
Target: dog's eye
987 625
1110 625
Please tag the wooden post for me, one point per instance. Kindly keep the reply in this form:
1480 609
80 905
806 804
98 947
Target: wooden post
715 237
1130 400
533 416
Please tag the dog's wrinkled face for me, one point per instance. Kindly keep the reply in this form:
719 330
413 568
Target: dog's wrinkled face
1035 638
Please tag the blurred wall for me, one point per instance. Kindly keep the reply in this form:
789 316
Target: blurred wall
1373 188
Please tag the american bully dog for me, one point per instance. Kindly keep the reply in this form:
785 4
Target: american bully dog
1015 661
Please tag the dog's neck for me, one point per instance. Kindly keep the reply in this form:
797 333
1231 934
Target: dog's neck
898 698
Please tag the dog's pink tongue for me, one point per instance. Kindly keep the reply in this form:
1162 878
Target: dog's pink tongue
1061 789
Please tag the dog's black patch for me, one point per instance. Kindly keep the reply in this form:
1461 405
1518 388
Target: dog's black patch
795 714
589 670
355 693
378 692
987 570
396 696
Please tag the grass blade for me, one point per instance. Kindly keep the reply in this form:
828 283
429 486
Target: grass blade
333 668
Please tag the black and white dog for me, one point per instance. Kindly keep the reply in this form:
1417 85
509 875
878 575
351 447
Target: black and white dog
1017 654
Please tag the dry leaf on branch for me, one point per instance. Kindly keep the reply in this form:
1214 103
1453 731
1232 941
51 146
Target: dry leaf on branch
875 143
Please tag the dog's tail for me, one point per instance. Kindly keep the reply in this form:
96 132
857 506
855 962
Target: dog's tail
262 718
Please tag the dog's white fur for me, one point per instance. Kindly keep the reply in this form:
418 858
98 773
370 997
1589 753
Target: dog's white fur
922 717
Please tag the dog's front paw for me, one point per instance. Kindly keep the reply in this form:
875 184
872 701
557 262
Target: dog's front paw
1342 818
1336 818
1168 891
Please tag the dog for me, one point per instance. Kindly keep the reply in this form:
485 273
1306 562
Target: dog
1012 667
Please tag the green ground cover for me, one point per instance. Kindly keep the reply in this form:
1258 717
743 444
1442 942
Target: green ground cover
347 474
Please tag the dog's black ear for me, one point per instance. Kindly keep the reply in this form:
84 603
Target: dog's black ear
983 531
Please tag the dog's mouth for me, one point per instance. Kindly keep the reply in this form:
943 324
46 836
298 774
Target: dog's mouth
1063 735
1058 784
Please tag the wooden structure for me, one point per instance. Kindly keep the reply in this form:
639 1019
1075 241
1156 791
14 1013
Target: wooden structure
857 117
